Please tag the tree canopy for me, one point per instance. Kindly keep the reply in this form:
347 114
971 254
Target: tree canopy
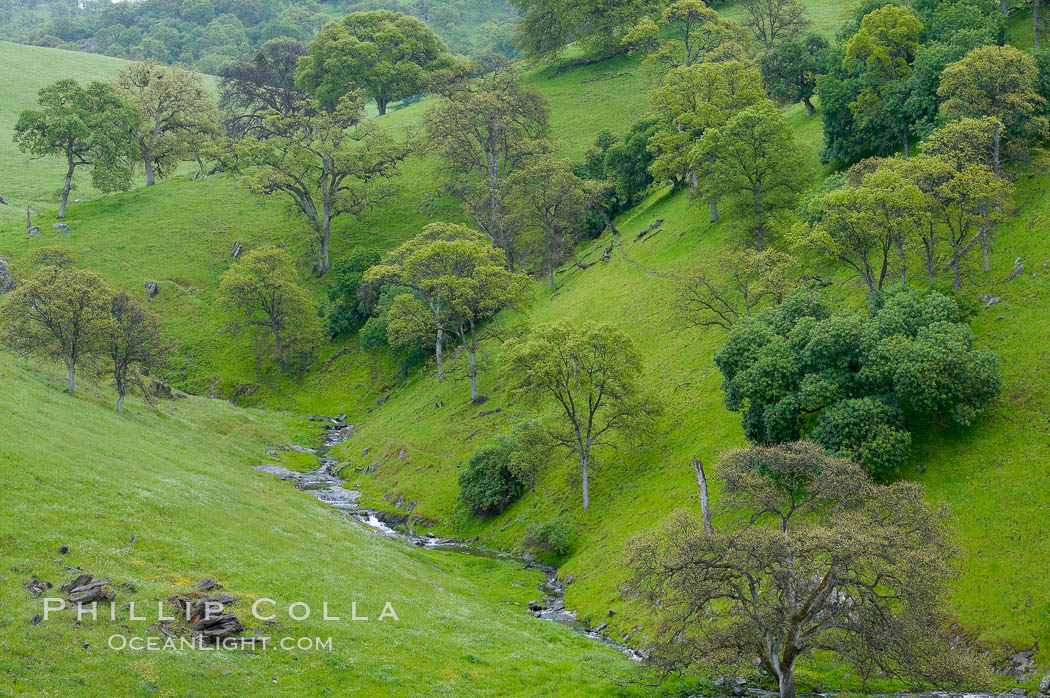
89 127
591 374
858 384
810 554
386 54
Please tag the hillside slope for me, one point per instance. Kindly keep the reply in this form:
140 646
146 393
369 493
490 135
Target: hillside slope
23 71
161 499
993 477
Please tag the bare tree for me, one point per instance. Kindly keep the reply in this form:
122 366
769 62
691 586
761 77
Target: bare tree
814 556
772 20
733 287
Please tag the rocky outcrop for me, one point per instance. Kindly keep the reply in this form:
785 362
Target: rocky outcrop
7 281
151 288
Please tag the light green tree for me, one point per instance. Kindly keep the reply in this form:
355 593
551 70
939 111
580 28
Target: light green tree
998 82
408 322
686 32
89 127
688 102
58 314
175 110
754 159
325 164
465 284
262 293
548 198
592 374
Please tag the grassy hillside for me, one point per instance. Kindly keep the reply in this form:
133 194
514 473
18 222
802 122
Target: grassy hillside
992 478
23 71
159 500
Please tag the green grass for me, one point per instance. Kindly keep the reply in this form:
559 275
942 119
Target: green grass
992 478
825 16
178 480
23 71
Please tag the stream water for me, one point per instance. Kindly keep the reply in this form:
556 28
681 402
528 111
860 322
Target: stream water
326 485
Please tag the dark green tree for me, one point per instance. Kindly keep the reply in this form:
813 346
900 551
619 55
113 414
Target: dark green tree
790 70
857 384
387 54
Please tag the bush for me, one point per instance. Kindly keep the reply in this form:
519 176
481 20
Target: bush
347 313
554 536
487 486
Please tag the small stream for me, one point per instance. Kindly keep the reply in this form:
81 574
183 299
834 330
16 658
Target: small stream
325 484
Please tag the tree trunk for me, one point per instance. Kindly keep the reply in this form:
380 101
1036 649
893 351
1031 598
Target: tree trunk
760 227
65 190
550 258
381 105
1035 21
714 211
324 238
705 502
1002 7
985 235
120 401
473 374
585 458
71 380
907 148
809 106
787 681
904 261
278 348
437 353
955 268
147 161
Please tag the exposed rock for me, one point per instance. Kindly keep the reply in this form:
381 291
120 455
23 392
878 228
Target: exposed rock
85 590
61 228
535 606
989 301
3 202
1044 685
1018 270
207 584
601 626
37 587
480 400
151 288
236 250
33 230
7 282
63 549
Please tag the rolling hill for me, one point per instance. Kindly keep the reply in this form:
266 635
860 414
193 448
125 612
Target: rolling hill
415 435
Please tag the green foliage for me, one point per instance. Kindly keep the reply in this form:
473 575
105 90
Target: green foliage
178 116
547 27
857 384
591 374
553 536
999 82
487 486
87 127
262 293
686 32
791 69
387 55
752 159
691 100
57 314
624 163
54 256
346 312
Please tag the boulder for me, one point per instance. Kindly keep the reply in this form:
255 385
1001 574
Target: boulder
37 587
7 282
84 589
236 250
61 228
151 288
33 230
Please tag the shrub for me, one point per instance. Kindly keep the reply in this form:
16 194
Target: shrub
487 486
554 536
346 312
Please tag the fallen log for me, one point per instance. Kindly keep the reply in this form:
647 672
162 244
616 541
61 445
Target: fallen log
648 230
